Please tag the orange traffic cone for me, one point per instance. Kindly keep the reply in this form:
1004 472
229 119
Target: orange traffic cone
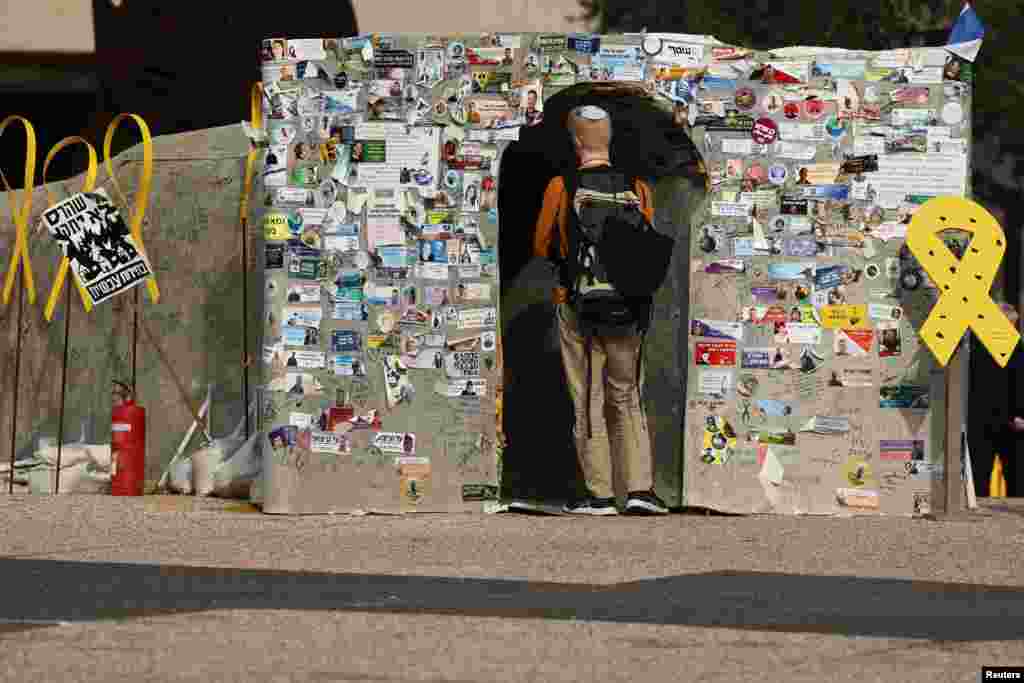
996 481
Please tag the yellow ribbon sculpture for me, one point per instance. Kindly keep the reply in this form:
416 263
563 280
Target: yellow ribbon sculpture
964 284
137 211
87 186
256 122
20 214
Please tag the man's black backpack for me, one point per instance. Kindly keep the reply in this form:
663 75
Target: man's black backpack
617 260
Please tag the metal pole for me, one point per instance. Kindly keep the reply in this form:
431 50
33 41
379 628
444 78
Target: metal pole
17 380
63 382
245 321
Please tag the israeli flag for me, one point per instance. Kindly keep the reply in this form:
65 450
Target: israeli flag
965 37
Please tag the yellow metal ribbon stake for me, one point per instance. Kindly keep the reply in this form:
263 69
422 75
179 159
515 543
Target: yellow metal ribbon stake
138 210
88 186
964 284
256 122
20 216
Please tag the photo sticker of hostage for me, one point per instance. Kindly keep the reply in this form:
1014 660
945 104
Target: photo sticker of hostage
611 426
531 113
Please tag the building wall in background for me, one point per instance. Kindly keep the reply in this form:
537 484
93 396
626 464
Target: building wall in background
67 25
46 26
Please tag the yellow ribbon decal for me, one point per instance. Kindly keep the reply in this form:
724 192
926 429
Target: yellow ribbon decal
256 122
88 186
964 284
138 210
20 215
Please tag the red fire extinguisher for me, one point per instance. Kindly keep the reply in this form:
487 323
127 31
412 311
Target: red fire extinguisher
127 444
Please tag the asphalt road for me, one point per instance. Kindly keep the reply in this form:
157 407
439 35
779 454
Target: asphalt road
173 589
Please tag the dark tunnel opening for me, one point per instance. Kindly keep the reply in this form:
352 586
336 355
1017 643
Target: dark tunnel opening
539 461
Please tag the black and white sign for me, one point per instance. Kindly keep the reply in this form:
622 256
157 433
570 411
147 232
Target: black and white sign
104 257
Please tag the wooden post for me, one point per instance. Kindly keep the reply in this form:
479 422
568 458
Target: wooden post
953 499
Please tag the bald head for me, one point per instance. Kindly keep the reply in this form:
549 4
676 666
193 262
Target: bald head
591 130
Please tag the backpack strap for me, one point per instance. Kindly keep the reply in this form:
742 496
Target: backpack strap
569 271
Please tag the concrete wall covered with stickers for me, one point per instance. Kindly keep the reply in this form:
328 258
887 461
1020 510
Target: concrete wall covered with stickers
395 143
810 389
807 390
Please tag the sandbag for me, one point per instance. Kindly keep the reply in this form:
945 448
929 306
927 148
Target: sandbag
82 477
71 455
234 477
205 462
99 455
180 477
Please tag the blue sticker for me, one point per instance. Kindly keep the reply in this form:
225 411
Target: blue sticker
345 341
584 43
791 271
773 408
823 191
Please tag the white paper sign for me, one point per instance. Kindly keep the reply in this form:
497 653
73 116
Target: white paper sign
329 442
470 318
715 382
462 364
899 175
461 388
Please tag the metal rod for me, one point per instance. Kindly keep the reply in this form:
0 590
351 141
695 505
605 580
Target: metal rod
63 382
17 380
245 321
135 339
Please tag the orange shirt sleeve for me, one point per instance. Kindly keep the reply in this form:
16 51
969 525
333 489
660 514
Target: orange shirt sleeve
553 216
646 200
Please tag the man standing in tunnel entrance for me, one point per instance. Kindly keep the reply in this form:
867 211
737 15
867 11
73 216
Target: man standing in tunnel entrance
614 361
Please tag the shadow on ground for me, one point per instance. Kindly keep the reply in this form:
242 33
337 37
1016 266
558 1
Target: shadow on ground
79 591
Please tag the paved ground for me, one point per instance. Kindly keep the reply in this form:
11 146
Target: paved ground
170 589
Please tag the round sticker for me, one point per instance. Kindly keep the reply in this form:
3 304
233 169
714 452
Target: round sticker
952 113
456 51
910 280
652 45
777 174
745 99
765 131
362 260
791 109
386 321
451 180
778 224
872 271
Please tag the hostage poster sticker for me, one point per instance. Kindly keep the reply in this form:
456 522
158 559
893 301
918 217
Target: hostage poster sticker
104 258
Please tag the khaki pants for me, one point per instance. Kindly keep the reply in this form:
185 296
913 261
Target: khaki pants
619 428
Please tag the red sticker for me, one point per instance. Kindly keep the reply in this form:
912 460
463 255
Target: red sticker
765 131
814 109
715 353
